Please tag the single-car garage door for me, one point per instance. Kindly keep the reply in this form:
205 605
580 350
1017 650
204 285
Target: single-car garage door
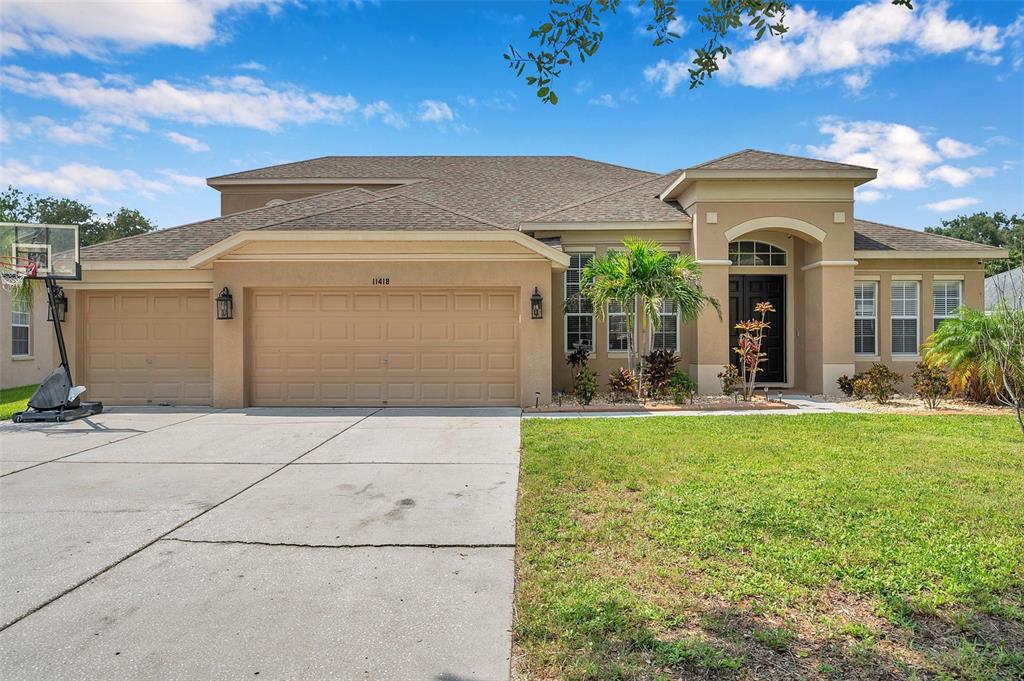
148 347
395 347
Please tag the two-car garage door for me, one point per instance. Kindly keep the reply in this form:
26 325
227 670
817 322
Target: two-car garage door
374 347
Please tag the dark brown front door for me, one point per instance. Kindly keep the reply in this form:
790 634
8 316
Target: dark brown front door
746 291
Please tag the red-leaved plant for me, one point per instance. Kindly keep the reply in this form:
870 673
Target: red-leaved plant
749 347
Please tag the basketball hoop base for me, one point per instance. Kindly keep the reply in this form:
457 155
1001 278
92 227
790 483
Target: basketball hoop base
83 410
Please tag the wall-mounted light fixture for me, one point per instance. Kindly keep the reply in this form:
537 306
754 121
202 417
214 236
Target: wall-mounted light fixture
536 304
60 302
225 304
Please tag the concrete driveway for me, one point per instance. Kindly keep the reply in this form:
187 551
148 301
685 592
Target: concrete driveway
171 543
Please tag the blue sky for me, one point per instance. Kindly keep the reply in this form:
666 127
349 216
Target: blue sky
135 104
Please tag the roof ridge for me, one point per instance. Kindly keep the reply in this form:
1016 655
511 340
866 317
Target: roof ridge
722 158
776 153
369 199
598 197
922 231
229 215
272 165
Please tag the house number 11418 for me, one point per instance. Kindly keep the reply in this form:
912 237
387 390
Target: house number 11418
382 281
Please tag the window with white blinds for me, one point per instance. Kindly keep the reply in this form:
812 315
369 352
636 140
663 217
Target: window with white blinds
579 312
667 335
21 327
946 298
865 318
904 300
618 337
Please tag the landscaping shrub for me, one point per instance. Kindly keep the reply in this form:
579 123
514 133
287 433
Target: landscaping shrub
880 382
585 386
930 384
846 384
682 388
861 386
658 368
577 360
730 378
622 384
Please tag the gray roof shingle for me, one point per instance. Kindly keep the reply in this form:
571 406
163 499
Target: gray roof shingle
753 159
874 236
637 202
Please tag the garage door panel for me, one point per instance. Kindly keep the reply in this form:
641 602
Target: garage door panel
148 347
387 347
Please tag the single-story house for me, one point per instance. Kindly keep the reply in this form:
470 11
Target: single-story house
412 280
1006 288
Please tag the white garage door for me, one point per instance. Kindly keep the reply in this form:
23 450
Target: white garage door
148 347
394 347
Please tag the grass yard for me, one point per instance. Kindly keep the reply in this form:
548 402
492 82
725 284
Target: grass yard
14 399
825 546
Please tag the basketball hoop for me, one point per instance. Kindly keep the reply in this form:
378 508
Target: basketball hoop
14 271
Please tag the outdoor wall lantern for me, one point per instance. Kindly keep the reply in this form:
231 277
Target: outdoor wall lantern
536 304
60 302
225 304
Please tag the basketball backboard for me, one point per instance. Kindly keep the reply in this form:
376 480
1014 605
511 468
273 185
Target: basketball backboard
53 248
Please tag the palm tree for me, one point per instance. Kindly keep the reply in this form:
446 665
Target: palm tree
639 278
987 346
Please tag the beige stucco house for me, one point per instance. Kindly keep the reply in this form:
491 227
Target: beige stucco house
408 280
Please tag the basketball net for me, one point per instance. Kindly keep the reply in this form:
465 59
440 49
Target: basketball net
14 271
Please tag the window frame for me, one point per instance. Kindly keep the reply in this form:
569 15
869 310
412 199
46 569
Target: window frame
873 286
27 325
770 251
916 316
937 318
566 314
678 331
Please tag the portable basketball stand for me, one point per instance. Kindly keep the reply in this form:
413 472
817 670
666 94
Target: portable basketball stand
57 398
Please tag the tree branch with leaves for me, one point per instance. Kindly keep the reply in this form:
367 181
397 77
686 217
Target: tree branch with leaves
572 32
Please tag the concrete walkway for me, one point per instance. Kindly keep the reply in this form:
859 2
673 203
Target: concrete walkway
261 543
806 404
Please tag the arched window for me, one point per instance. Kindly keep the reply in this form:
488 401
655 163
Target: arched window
756 254
275 202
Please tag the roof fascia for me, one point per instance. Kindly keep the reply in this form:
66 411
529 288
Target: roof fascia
688 176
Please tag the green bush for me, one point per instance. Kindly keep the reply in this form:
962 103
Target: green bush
577 360
930 383
586 386
622 384
881 382
682 388
730 378
846 384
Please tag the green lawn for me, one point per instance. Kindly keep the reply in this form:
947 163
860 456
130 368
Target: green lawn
827 546
14 399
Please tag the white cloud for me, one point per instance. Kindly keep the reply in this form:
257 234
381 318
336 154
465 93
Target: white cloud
238 101
605 100
251 66
193 181
385 112
952 148
435 111
190 143
904 157
866 37
950 205
95 28
79 179
583 86
84 131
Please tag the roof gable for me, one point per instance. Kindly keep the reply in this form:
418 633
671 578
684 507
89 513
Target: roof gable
755 159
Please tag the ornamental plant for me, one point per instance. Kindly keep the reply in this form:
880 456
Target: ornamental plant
682 388
730 378
577 360
658 366
621 383
748 349
586 386
930 383
880 382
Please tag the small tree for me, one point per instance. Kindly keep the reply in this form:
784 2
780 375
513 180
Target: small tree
749 347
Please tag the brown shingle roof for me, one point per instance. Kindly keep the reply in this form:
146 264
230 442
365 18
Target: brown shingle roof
388 213
753 159
500 189
637 202
874 236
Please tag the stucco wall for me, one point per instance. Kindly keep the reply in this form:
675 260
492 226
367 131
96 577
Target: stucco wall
15 372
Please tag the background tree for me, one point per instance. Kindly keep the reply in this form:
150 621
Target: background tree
17 206
572 31
993 229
